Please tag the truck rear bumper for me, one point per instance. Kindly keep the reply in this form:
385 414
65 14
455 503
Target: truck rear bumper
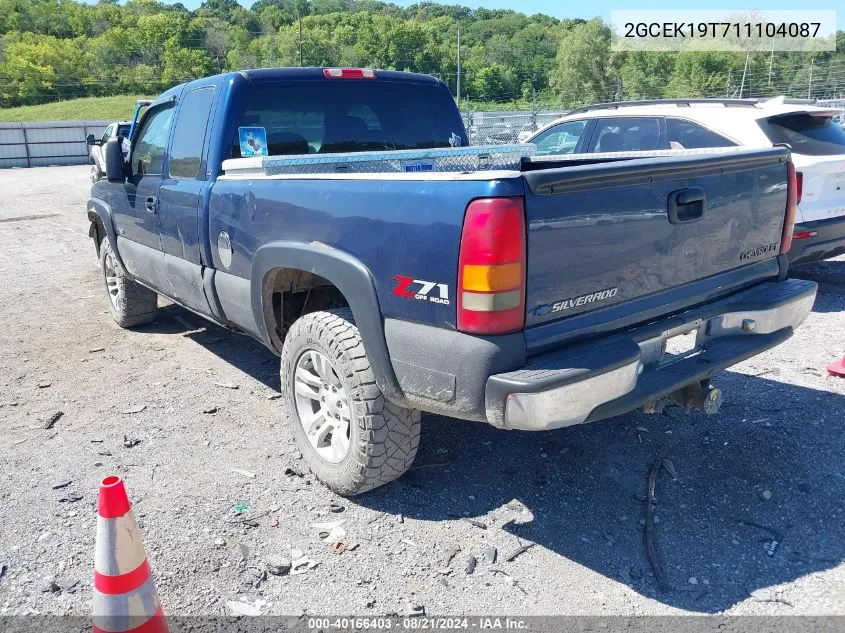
826 238
600 379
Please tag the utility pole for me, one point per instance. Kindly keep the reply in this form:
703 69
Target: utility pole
771 59
300 37
459 67
745 70
810 83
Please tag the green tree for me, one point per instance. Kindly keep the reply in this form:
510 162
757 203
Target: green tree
585 68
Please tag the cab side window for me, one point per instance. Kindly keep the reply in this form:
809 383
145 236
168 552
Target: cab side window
188 139
107 134
148 151
685 134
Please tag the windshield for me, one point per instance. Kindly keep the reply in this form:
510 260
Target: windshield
806 134
123 131
332 116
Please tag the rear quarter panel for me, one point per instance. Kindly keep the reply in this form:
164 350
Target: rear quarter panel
409 227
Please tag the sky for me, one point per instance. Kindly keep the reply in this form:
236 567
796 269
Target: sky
602 8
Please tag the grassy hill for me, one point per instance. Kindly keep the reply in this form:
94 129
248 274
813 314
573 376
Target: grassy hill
88 109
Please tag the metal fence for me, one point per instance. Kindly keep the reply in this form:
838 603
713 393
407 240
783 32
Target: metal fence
497 128
47 142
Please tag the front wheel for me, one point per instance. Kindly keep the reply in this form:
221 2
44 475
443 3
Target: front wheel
130 303
351 436
96 173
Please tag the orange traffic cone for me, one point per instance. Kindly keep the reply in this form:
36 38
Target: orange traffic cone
125 597
837 368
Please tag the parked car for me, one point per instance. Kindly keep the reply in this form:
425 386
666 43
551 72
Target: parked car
816 141
526 132
96 147
528 294
501 134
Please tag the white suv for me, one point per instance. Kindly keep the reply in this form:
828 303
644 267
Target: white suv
817 142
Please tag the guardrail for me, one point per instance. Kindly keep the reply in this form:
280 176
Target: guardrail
46 143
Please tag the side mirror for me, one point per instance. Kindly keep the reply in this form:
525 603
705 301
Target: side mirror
114 161
89 139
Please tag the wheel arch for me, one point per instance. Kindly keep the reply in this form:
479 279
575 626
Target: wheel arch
348 275
100 216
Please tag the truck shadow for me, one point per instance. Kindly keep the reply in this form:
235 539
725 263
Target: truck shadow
767 468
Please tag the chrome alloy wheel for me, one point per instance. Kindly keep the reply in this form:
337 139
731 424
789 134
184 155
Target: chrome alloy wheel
111 274
322 406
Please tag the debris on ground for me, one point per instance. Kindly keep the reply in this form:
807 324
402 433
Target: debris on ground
3 569
490 555
450 554
242 608
51 587
768 595
227 385
766 494
300 563
254 577
476 523
408 541
278 566
135 409
62 484
72 497
130 443
414 610
210 410
67 585
670 468
470 566
245 473
331 531
400 518
338 548
291 472
44 384
244 553
336 508
51 421
274 396
518 552
96 349
772 544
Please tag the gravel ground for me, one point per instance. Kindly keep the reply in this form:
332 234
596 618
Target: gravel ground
769 467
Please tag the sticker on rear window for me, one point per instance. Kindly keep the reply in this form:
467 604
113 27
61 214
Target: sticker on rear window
253 141
455 140
418 165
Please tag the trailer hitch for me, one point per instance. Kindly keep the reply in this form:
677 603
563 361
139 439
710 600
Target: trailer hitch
699 395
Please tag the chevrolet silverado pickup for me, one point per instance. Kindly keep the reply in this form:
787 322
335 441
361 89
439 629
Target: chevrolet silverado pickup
338 217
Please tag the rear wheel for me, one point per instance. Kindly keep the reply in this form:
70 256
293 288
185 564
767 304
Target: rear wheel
130 303
351 436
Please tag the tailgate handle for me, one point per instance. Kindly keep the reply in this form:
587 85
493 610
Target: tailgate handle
686 205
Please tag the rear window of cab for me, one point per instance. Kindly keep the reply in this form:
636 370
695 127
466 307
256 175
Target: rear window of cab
807 134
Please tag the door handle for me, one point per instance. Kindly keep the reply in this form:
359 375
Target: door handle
686 205
151 204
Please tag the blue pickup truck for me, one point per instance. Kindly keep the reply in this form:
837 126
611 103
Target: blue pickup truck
337 216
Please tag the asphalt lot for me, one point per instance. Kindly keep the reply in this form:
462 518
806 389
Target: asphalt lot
769 467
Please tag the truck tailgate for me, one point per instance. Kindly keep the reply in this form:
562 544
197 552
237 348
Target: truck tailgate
607 233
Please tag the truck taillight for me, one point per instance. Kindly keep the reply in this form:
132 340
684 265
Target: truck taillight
799 186
349 73
491 267
791 207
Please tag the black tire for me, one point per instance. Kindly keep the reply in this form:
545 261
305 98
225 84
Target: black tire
384 437
129 302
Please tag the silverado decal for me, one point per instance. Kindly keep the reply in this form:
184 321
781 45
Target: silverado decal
568 304
403 289
756 252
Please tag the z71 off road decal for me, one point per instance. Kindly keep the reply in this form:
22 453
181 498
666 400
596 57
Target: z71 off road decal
421 290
